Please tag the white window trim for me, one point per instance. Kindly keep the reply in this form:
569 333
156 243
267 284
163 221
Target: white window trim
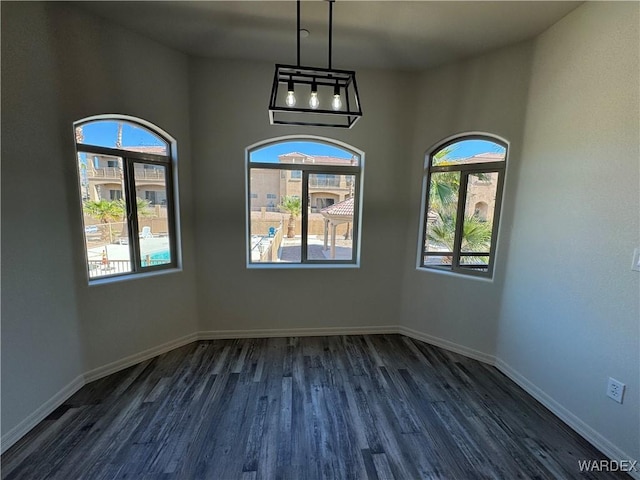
482 276
172 154
324 168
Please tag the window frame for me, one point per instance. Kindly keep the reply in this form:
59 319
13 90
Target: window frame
466 170
307 169
129 160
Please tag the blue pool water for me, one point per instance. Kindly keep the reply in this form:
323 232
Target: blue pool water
157 258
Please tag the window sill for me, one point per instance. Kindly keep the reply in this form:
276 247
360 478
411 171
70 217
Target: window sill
454 274
299 266
132 276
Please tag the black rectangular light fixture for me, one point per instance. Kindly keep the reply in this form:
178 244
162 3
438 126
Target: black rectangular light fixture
314 96
321 97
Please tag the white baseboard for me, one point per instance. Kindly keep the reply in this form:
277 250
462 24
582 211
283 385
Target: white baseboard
17 432
447 345
597 440
296 332
588 433
131 360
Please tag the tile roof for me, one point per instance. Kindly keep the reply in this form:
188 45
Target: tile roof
157 149
337 160
489 156
479 158
320 159
342 209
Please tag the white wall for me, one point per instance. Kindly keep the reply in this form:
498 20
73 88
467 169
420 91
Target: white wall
41 345
229 112
58 66
570 315
562 310
485 94
106 69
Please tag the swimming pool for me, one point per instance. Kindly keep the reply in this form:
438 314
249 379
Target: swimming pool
156 258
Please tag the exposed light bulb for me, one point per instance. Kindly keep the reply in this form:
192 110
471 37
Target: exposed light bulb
314 102
291 99
336 104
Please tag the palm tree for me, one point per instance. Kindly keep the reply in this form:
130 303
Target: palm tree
443 190
476 234
106 211
444 186
142 207
110 211
293 206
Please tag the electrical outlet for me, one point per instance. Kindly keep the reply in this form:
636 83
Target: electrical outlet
635 264
615 390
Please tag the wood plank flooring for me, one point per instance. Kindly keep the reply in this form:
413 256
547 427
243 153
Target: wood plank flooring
303 408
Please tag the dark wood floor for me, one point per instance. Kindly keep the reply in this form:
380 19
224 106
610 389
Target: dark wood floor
344 407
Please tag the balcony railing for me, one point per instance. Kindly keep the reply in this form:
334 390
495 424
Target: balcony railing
149 173
105 172
265 248
324 182
102 268
116 173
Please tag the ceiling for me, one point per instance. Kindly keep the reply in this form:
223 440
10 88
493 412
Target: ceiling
405 35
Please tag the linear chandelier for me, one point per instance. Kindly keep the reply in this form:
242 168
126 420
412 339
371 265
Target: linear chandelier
321 97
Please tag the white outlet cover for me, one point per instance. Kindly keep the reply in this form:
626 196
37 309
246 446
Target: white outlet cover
636 260
615 390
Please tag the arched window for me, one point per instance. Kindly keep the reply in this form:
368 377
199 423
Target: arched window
303 202
126 175
481 211
462 195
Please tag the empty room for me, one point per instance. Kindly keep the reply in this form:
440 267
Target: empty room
320 240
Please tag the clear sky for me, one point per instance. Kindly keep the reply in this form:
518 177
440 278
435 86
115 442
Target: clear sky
105 134
469 148
269 154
